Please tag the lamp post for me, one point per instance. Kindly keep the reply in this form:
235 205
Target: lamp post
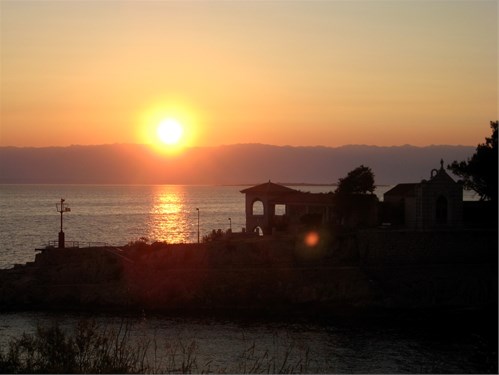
230 224
197 209
62 208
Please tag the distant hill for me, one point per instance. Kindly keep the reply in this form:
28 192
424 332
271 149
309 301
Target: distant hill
234 164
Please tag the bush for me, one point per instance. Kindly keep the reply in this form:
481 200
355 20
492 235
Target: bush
89 348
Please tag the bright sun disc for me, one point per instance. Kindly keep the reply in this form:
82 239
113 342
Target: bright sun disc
170 131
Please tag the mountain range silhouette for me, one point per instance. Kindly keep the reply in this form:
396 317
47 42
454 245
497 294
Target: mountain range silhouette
232 164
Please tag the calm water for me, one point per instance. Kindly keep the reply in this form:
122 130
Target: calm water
111 214
344 346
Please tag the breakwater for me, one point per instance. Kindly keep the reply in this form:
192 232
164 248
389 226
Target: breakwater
373 269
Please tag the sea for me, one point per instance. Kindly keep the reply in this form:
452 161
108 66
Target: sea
119 214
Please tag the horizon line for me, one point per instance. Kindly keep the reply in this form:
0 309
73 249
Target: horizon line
239 144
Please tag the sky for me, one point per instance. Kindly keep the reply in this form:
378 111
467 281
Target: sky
300 73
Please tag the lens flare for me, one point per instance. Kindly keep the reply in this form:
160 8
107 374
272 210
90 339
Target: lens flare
312 239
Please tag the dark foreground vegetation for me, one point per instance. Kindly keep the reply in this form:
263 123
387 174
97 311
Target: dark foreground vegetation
90 348
126 346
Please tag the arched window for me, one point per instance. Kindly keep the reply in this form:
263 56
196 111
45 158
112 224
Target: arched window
257 208
441 210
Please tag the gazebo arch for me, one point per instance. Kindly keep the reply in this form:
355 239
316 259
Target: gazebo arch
257 207
258 230
268 194
282 207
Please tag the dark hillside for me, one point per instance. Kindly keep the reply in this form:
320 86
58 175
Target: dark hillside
235 164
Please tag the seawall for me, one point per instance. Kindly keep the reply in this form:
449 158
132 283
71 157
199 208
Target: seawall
364 270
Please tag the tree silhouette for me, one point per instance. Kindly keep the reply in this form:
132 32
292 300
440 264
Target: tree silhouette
352 204
358 181
480 172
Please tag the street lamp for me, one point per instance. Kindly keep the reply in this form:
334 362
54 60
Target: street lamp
198 222
230 224
61 207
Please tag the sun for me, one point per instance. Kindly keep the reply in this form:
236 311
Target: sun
170 131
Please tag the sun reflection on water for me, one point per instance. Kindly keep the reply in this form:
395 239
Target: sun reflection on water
169 216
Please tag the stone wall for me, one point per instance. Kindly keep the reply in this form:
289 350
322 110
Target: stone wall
428 269
368 269
427 247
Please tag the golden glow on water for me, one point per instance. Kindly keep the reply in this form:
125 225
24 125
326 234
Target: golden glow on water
169 215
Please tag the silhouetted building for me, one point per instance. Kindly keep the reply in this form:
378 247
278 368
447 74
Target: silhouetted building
433 204
272 207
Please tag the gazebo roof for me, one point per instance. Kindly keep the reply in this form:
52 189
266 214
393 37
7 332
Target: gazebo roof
269 188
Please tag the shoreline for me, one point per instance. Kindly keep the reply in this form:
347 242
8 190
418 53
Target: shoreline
358 273
482 319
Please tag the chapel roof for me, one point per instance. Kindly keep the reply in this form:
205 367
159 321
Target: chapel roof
402 190
440 175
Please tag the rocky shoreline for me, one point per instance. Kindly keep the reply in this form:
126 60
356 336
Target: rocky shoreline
355 272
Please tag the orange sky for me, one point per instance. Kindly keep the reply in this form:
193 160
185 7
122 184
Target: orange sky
278 72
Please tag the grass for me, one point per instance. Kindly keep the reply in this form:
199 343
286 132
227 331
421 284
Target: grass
90 348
